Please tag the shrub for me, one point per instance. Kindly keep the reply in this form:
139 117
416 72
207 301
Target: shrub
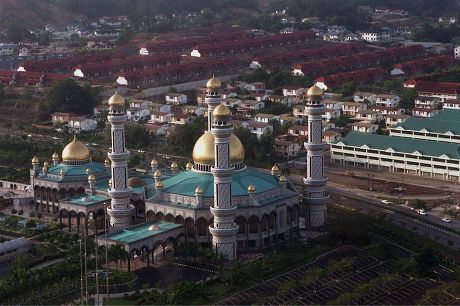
13 210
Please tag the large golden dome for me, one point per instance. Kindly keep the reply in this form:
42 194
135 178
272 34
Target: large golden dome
203 151
75 151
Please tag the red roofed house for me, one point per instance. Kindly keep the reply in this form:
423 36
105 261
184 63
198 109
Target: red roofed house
443 90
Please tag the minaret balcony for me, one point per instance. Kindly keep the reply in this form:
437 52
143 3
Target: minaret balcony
119 156
223 212
317 201
314 181
315 109
314 146
224 231
222 172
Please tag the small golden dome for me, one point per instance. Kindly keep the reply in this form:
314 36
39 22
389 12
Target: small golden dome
189 166
35 160
174 166
92 178
55 156
275 169
110 183
203 151
117 100
221 111
283 179
75 150
88 171
135 182
62 172
107 163
45 164
159 185
251 188
154 227
213 83
314 91
153 162
198 190
157 174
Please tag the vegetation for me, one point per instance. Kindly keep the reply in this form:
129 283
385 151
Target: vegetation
184 137
439 33
68 96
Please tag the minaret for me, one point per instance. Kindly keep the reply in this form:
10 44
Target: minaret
315 192
224 229
120 209
212 98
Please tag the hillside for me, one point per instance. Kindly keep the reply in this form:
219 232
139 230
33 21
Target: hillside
32 13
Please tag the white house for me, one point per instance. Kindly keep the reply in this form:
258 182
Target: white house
7 49
137 114
452 104
293 91
157 130
140 103
258 128
375 36
424 112
179 119
457 52
160 117
352 108
387 100
387 110
369 115
266 118
427 102
361 96
82 124
231 102
331 113
331 136
253 104
393 120
176 98
286 148
193 109
365 127
159 107
333 104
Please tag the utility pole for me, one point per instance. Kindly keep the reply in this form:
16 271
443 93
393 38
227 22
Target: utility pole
86 271
81 274
106 255
97 282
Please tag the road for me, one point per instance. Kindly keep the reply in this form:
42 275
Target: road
430 226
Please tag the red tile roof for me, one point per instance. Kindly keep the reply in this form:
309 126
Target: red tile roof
438 87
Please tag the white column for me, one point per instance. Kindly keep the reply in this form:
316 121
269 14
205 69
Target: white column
120 210
315 179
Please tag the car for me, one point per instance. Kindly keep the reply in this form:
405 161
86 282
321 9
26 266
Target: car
29 135
386 202
55 138
447 220
422 212
140 151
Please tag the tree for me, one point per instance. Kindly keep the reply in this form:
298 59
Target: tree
184 137
342 121
68 96
447 204
419 204
16 32
425 261
117 254
348 88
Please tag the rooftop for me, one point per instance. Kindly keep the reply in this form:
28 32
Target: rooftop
142 231
401 144
87 200
447 120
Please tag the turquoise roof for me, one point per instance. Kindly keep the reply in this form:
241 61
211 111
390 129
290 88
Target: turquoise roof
447 120
74 172
87 200
186 182
141 231
402 144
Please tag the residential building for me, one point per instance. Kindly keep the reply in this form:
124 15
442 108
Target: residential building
289 119
333 104
286 148
252 105
387 110
82 124
375 35
159 107
193 109
331 136
424 112
427 102
364 127
160 117
266 118
443 90
155 130
176 98
352 108
299 111
447 19
140 103
451 104
137 114
59 117
393 120
457 52
361 96
258 128
298 131
279 99
232 102
369 115
182 119
387 100
293 91
101 108
331 113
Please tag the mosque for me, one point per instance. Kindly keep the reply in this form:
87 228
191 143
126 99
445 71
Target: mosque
216 201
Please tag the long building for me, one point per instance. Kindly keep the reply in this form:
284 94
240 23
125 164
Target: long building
419 146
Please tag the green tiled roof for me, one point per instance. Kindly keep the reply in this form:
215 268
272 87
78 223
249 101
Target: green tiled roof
75 172
87 200
141 231
402 144
186 182
447 120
